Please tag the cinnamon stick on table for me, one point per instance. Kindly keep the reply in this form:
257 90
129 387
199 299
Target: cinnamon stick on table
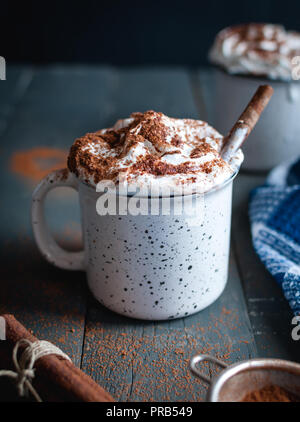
246 122
56 379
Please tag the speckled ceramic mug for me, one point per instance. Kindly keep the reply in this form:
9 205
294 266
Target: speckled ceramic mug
151 267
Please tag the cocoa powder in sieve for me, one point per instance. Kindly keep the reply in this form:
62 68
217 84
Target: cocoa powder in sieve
271 393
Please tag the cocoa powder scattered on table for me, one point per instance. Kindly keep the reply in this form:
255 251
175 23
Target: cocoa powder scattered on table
137 364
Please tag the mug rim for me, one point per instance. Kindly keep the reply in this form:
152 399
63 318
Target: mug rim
213 189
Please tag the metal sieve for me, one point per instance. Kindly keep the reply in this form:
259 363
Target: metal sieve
235 381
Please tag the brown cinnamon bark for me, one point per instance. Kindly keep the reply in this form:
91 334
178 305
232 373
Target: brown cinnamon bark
56 379
246 122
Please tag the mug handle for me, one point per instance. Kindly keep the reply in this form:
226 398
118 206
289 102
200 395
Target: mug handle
201 358
45 241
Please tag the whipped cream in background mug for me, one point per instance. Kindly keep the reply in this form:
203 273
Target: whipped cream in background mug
148 266
247 55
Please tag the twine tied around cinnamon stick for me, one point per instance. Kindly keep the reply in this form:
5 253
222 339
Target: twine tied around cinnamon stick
25 364
56 378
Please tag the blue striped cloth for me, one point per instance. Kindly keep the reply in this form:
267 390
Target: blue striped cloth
275 225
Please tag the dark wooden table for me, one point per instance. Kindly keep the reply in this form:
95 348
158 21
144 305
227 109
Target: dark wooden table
42 110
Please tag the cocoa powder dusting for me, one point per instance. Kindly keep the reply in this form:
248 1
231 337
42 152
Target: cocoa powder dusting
201 149
252 33
137 363
150 165
176 141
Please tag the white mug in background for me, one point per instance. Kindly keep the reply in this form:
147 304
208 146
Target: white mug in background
276 135
153 267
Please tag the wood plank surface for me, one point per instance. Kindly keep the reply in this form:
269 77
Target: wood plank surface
58 105
138 360
134 360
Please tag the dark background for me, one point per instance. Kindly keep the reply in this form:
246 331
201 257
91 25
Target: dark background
128 32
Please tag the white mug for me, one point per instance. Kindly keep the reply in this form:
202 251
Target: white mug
153 267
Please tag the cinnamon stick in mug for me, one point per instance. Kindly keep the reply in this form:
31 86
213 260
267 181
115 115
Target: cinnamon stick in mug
246 122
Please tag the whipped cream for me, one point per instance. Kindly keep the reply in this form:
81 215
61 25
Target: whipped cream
256 49
151 150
